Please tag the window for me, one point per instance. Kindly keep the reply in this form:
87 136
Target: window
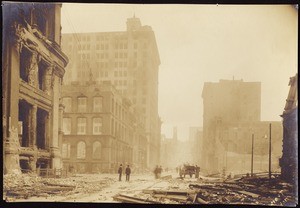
97 126
81 104
67 101
81 150
67 125
97 104
97 150
66 150
81 126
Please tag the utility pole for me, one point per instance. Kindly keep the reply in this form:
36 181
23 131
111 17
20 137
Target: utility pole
270 139
252 155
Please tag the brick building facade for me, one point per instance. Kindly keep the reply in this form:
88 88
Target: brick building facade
101 129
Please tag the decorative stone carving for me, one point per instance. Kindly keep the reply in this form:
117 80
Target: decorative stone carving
52 78
18 36
32 69
48 80
13 135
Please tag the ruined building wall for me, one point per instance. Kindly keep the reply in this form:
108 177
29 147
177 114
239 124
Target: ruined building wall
289 159
31 78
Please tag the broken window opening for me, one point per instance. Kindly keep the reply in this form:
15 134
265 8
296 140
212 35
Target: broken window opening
25 57
42 116
39 20
42 75
24 111
24 164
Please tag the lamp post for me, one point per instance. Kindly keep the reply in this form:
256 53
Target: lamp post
252 155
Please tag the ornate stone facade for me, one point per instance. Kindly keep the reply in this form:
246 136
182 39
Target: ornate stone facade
32 62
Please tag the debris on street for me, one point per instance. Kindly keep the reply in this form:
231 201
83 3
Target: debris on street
145 189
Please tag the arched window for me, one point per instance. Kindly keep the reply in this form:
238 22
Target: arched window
81 149
97 150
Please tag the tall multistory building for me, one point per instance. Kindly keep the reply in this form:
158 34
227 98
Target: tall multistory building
130 60
231 117
32 73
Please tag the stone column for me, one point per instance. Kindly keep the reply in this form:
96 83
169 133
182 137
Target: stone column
32 126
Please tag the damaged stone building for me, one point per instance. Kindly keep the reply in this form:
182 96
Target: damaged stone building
32 72
231 115
289 159
101 130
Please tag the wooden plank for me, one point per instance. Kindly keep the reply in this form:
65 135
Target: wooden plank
172 197
131 199
60 185
249 194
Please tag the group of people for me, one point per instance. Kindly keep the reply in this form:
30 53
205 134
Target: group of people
127 172
157 172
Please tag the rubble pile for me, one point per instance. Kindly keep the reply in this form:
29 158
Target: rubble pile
24 186
260 191
251 191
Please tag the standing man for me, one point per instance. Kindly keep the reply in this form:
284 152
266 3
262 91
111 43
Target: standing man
120 170
127 171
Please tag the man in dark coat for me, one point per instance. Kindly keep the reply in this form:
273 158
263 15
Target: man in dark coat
120 170
127 172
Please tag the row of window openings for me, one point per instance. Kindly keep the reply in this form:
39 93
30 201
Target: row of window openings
105 65
27 64
81 150
97 127
81 46
82 104
81 126
105 46
104 55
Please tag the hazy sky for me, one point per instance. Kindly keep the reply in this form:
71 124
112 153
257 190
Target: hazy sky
205 43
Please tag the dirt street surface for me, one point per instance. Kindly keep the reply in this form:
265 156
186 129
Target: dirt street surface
143 188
